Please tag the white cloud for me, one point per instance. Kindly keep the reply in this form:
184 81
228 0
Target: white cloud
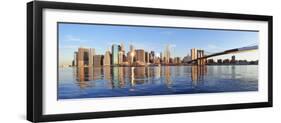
69 47
73 39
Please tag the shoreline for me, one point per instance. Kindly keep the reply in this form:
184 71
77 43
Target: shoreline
166 65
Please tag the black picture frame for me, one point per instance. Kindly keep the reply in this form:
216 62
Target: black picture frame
35 69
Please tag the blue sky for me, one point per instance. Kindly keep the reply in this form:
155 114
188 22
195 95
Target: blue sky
101 37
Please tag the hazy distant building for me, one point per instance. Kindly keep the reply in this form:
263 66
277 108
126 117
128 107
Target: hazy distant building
233 60
210 61
226 61
167 54
75 60
98 60
140 55
186 59
122 47
177 60
219 61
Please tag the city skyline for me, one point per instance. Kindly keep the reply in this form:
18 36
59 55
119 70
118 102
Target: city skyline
73 36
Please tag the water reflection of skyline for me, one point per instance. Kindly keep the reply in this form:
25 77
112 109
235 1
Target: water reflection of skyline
91 82
119 77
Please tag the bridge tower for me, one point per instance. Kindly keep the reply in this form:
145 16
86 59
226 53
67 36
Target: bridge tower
200 60
197 55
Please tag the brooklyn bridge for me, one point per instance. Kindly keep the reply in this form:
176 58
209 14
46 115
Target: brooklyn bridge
199 57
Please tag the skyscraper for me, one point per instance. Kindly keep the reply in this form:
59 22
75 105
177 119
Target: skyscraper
131 55
167 54
147 57
91 56
122 47
193 53
75 58
83 57
98 60
140 55
106 60
132 48
152 56
115 53
120 57
121 54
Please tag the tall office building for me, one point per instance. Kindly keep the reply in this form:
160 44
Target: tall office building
167 54
106 60
75 59
132 48
91 56
115 53
98 60
121 54
140 55
147 57
152 56
193 53
131 55
83 57
120 57
122 47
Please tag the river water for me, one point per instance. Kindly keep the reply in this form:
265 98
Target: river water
99 82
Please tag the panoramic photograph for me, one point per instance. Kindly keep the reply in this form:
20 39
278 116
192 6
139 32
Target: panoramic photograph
102 60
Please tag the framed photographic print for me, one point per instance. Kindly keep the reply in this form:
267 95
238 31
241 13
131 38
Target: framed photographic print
94 61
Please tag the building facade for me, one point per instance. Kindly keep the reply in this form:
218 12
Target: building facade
140 55
106 60
115 54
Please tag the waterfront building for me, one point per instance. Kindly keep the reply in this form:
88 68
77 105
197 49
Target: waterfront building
98 60
120 57
233 61
193 53
91 55
122 47
83 57
106 60
147 57
210 61
226 61
177 60
132 48
75 60
219 61
161 57
131 55
140 55
152 57
167 54
115 53
186 59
